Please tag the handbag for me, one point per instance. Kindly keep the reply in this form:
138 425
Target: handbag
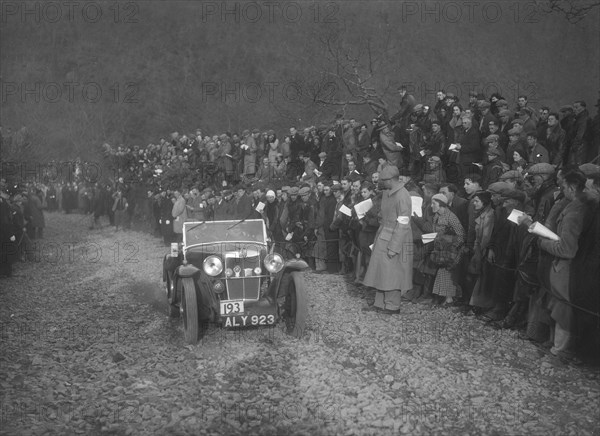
446 250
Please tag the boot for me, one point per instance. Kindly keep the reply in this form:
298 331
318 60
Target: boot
516 315
426 290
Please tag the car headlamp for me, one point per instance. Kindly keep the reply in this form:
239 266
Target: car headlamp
273 263
213 266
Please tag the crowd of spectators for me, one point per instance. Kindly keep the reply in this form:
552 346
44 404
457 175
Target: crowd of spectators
473 165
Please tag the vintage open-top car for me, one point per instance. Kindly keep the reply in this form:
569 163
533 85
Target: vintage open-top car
227 272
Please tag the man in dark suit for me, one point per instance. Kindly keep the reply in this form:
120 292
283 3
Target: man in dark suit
223 205
325 166
470 147
505 126
243 204
369 165
297 144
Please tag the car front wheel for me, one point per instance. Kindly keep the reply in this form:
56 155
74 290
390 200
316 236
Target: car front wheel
172 308
293 308
189 311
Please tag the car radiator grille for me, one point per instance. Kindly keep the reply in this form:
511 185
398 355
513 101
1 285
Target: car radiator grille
246 286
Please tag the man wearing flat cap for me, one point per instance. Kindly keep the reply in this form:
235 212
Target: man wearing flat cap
585 266
407 103
580 145
224 208
498 191
473 101
543 181
513 178
555 140
502 105
567 121
391 265
242 204
308 224
369 165
486 117
554 269
536 152
492 142
391 150
590 170
529 125
294 205
493 169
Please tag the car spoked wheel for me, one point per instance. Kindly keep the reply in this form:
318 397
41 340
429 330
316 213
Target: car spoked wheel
189 311
172 309
294 307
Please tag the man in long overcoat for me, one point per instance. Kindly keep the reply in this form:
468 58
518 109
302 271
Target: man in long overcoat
179 214
391 265
166 219
555 261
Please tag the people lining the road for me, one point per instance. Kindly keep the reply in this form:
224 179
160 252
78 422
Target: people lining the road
486 178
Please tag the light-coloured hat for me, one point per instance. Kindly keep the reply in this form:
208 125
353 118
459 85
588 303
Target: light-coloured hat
389 172
304 191
541 168
499 188
590 170
441 198
511 174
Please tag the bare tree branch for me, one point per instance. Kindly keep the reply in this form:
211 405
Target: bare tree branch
573 10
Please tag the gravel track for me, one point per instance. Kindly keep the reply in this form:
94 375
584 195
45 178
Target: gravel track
87 348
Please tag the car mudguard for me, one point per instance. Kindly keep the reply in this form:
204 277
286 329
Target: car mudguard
294 265
187 270
170 264
289 266
209 304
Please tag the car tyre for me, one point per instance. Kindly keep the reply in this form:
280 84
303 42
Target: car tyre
294 310
189 311
172 309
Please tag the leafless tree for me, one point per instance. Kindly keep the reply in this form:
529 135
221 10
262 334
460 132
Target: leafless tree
573 10
357 70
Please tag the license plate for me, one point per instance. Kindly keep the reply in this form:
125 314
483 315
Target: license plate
232 307
248 320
